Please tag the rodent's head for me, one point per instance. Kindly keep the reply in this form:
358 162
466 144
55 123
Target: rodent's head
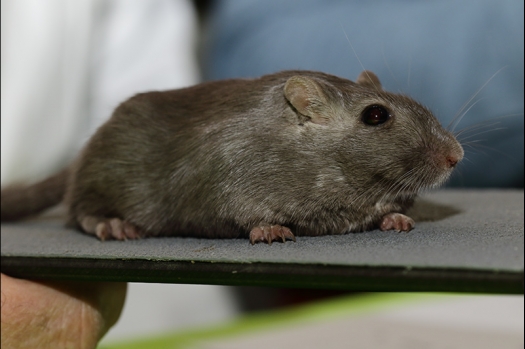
378 138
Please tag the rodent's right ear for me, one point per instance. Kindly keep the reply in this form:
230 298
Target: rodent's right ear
367 78
307 98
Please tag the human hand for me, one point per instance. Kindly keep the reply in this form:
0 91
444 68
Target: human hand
58 314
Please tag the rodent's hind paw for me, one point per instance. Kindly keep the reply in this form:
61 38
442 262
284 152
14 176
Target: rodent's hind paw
397 221
110 228
269 233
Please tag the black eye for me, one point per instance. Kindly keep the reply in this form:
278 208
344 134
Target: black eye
375 115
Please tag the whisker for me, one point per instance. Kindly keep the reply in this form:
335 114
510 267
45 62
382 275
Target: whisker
409 70
459 173
507 156
481 132
356 56
476 126
486 123
467 159
474 96
470 143
458 119
388 66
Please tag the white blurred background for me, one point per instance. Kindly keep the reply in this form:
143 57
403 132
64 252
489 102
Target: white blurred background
67 64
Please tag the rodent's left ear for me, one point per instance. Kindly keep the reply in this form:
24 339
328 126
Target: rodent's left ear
307 97
367 78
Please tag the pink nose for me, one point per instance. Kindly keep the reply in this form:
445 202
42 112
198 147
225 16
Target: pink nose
452 161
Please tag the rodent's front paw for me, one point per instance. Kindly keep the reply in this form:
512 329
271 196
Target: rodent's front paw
397 221
268 233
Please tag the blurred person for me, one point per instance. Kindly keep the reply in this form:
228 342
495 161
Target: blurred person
65 66
51 314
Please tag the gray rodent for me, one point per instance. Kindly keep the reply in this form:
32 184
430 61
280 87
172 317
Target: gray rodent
296 151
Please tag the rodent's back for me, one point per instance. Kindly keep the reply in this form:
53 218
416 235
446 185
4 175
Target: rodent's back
162 153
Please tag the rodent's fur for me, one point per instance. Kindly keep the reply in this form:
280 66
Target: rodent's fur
220 158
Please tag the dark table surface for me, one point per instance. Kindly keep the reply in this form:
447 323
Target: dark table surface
464 241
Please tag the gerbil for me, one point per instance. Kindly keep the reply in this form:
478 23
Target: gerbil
296 151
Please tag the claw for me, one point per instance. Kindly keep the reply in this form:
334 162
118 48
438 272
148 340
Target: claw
269 233
397 221
110 228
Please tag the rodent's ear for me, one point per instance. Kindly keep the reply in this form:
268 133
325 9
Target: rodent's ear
307 97
367 78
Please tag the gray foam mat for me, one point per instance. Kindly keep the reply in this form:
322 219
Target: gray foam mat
464 240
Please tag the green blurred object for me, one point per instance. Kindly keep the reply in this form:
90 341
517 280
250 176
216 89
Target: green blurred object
366 321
